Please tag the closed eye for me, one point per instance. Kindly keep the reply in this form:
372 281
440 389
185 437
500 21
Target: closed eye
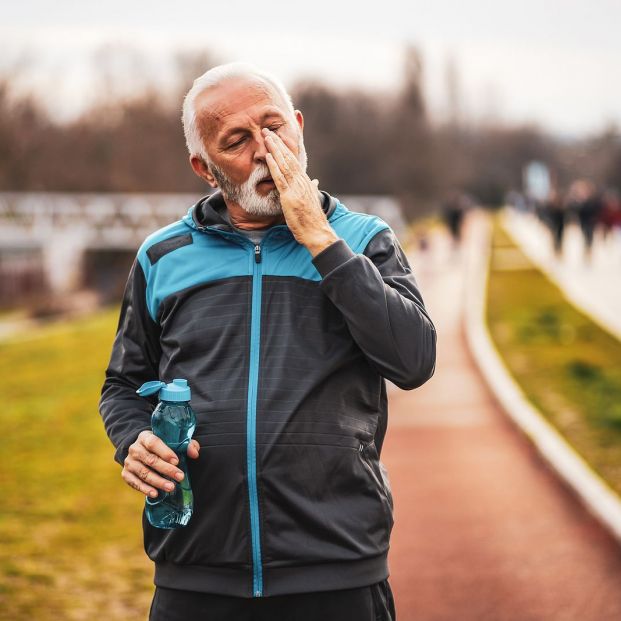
237 143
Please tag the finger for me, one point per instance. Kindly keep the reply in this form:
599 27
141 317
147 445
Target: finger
194 449
278 155
282 147
133 481
316 182
154 462
279 179
289 157
153 444
146 475
278 151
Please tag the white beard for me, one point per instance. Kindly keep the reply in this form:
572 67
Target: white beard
246 195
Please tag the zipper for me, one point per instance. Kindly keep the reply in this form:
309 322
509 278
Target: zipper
366 459
251 416
251 422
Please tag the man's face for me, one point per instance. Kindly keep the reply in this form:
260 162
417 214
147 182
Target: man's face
231 117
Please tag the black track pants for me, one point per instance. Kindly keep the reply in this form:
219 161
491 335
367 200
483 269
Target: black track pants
370 603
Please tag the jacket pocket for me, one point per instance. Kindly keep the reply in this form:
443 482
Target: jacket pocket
379 476
319 504
217 533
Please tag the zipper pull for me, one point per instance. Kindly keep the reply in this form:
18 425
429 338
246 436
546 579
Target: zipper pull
257 253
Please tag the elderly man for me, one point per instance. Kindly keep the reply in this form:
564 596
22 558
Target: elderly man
285 311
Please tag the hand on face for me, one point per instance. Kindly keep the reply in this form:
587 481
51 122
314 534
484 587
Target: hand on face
298 196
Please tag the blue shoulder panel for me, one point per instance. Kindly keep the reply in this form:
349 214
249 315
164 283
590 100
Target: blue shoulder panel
209 257
357 229
287 259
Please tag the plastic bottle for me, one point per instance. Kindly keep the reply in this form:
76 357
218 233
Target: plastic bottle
174 422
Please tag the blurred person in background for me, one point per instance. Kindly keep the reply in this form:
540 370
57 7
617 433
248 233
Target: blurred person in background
584 201
285 311
453 212
553 212
610 217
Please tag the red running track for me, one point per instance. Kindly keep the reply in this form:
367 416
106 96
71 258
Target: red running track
484 531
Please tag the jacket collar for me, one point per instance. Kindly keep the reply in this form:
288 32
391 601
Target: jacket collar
208 210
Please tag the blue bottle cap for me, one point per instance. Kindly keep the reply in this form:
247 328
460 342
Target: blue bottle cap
177 390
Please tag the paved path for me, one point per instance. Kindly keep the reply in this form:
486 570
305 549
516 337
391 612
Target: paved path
593 285
483 530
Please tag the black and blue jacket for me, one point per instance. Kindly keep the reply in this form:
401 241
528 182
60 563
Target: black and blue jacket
286 356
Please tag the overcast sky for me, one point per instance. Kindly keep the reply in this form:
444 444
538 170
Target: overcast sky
555 62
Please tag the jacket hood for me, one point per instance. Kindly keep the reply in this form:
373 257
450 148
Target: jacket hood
209 210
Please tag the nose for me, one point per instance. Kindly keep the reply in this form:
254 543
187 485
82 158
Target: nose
260 149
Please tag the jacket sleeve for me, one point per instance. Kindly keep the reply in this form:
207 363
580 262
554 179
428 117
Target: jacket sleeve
135 359
380 300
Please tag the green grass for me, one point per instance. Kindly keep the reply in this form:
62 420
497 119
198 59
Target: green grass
569 367
70 528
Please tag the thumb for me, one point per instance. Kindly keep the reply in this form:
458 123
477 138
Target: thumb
316 182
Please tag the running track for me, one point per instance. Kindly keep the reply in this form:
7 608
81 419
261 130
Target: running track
483 529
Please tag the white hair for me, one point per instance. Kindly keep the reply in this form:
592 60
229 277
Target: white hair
214 77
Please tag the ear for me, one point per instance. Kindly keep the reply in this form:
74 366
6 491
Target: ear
300 119
200 167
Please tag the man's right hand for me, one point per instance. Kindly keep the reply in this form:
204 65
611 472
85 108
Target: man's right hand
147 457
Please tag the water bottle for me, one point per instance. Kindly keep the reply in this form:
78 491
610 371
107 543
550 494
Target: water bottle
174 422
